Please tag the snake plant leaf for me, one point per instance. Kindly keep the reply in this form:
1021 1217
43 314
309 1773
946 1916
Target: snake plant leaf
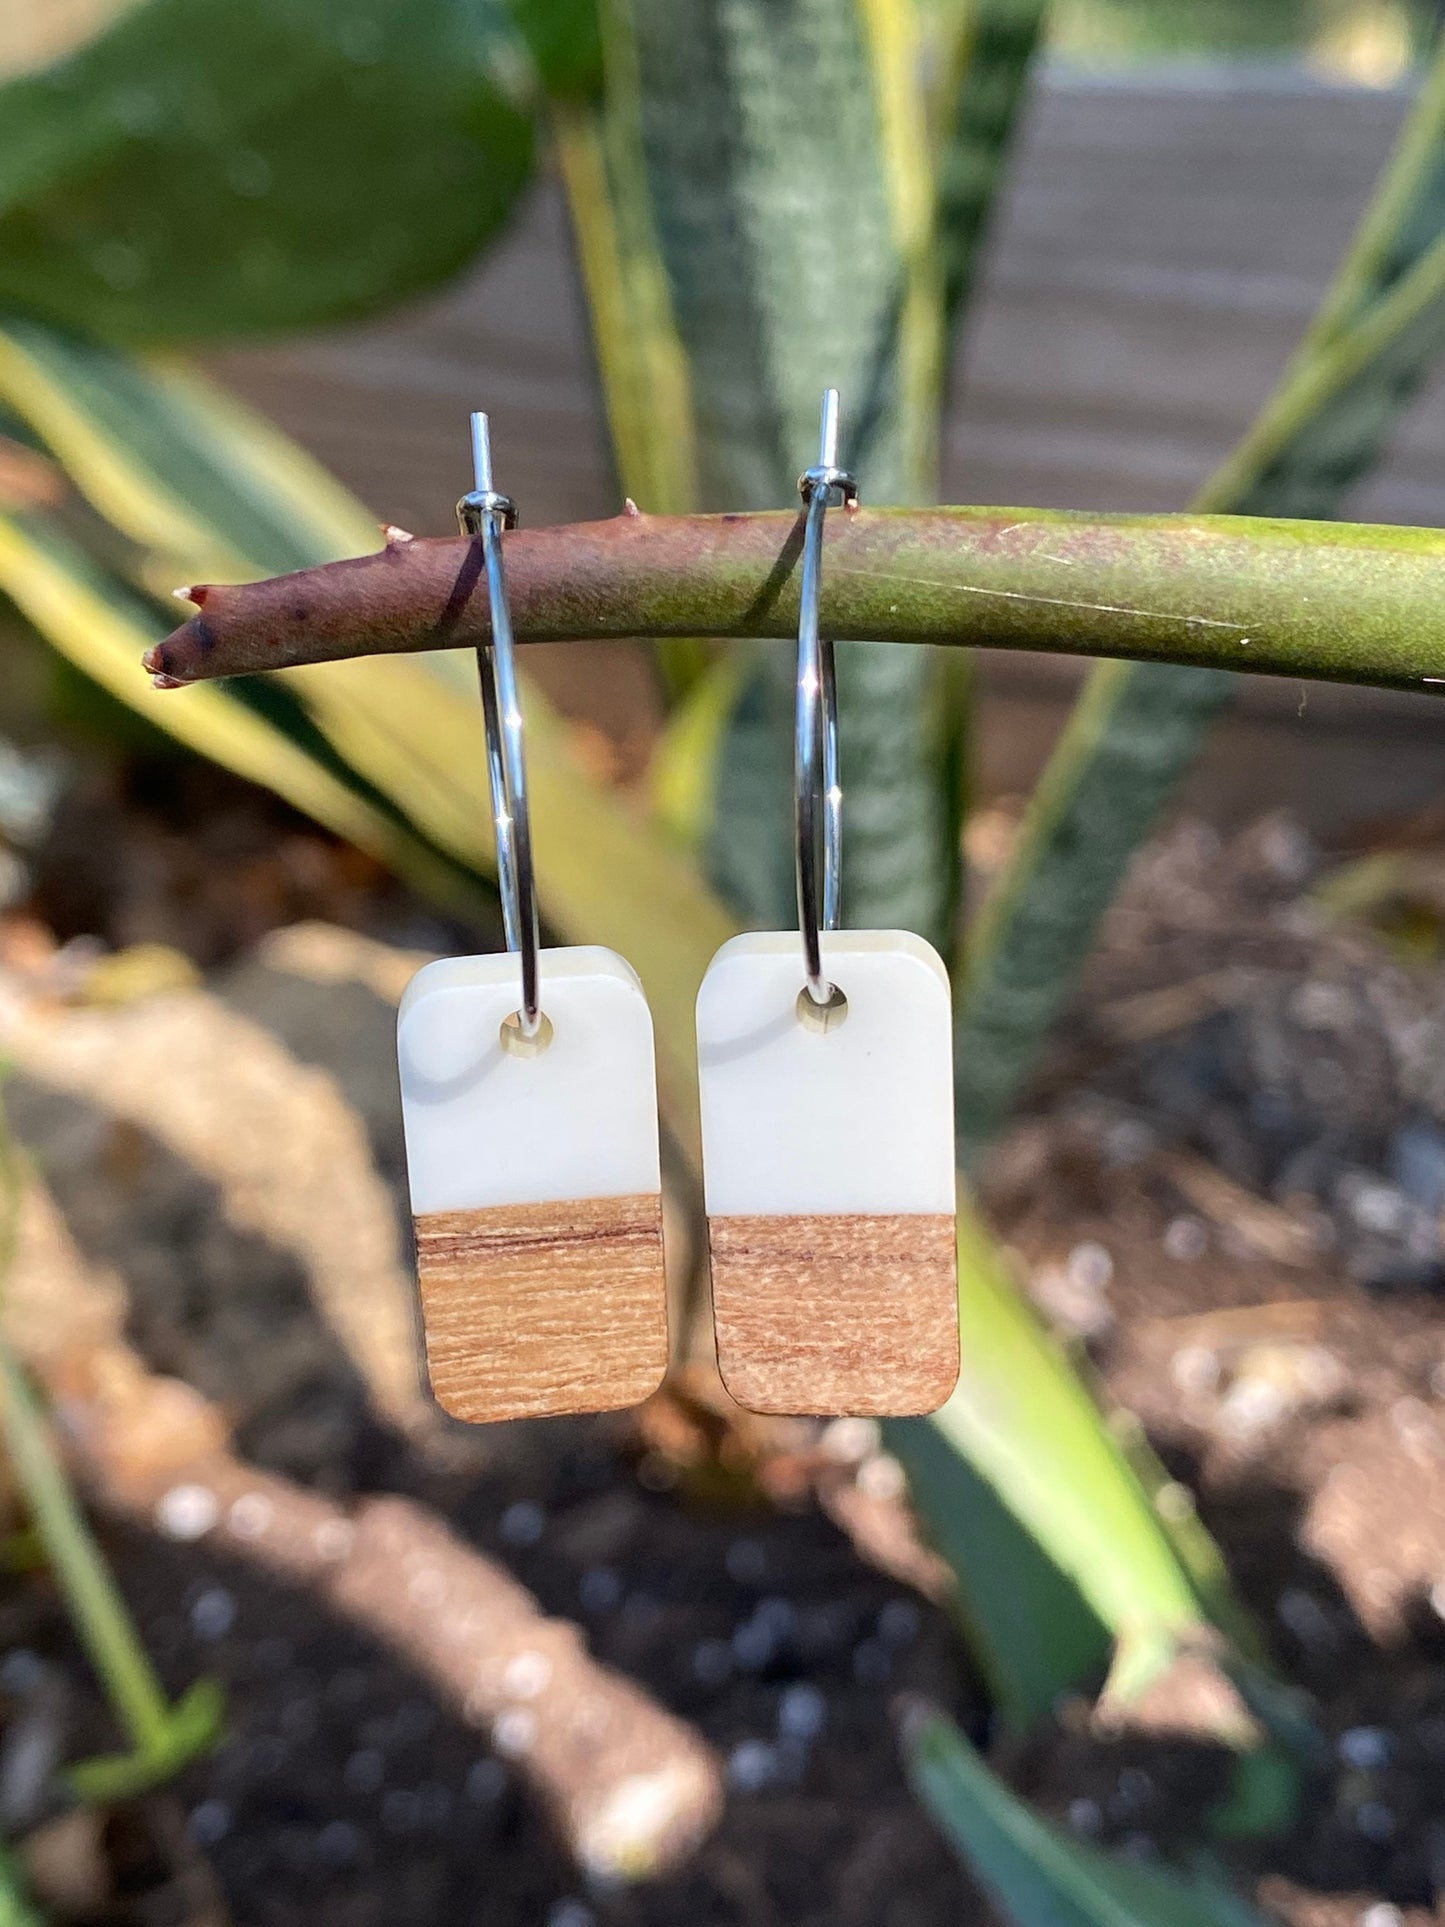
639 353
205 169
1136 728
1039 1875
768 157
764 271
98 624
684 763
983 56
1063 1559
1133 731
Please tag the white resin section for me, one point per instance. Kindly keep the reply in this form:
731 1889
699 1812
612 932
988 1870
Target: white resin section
855 1119
487 1127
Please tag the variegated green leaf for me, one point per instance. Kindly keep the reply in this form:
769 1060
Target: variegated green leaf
1062 1558
982 54
765 160
1039 1875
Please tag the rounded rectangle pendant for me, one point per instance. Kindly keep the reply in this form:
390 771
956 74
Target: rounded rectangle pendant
535 1190
829 1174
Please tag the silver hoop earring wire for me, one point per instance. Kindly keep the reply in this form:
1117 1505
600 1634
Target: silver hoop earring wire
487 514
818 792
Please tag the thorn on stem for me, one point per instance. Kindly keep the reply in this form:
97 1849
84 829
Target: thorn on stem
395 537
155 661
629 507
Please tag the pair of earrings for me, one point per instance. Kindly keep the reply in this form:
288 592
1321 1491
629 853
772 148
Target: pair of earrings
827 1121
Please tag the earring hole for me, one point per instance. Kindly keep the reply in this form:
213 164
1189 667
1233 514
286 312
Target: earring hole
515 1040
831 1015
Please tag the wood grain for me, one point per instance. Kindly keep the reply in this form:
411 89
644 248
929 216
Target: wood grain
532 1310
837 1315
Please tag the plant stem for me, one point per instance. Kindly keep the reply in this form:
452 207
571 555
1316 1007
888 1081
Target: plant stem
1332 601
91 1597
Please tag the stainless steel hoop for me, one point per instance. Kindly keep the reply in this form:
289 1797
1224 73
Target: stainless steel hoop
817 790
485 513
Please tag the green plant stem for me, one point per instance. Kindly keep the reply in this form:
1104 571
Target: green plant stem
98 1609
91 1595
1041 1875
1326 600
161 1736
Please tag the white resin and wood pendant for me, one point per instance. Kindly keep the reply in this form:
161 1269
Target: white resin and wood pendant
535 1188
829 1175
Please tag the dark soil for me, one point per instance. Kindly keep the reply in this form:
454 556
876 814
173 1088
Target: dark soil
343 1795
1300 1401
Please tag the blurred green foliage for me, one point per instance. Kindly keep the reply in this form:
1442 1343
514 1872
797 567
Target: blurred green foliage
217 168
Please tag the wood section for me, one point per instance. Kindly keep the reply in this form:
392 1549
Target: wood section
851 1314
532 1310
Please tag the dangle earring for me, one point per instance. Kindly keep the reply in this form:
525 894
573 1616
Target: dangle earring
827 1108
531 1120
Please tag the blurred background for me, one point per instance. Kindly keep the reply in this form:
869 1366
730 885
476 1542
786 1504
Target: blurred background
1148 1625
